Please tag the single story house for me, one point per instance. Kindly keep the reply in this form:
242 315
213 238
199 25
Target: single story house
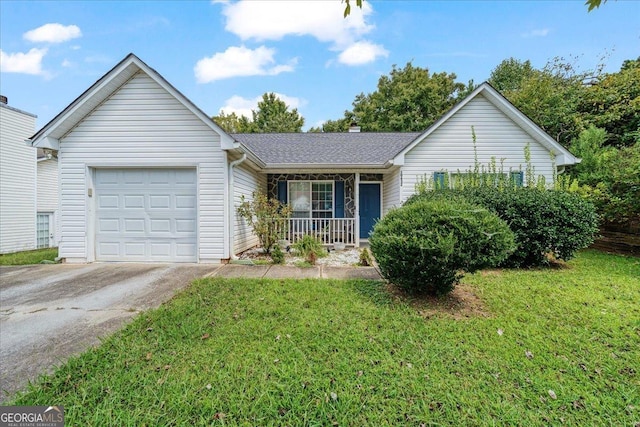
17 180
145 175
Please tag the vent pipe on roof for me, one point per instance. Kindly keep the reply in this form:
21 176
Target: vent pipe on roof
353 127
3 100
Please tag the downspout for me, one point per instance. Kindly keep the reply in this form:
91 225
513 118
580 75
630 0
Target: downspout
234 163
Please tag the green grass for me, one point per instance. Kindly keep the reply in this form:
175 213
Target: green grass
321 352
29 257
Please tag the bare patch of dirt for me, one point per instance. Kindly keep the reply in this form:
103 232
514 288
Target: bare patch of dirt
462 303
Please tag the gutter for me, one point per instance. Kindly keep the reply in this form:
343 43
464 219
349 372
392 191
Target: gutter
233 164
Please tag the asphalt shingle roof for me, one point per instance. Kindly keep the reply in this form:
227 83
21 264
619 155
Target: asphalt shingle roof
354 148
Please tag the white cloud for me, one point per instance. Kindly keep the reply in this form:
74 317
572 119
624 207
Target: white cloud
25 63
273 20
540 32
240 61
243 106
53 33
362 52
66 63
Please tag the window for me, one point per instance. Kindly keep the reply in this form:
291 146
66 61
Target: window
440 180
517 178
44 221
311 199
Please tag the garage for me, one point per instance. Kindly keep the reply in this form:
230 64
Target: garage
146 215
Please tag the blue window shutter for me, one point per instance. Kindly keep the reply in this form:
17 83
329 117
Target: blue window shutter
339 199
438 180
517 178
282 192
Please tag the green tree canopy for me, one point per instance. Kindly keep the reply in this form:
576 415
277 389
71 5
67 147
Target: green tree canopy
271 116
564 101
510 74
408 99
549 96
612 102
233 123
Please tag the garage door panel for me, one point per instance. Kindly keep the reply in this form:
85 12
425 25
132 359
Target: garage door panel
109 225
133 177
134 225
109 249
107 177
160 225
108 201
185 202
134 249
146 215
185 250
133 201
160 201
185 226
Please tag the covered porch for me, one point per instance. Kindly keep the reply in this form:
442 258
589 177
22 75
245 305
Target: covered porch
334 207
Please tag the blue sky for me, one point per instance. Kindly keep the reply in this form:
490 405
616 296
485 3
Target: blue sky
225 55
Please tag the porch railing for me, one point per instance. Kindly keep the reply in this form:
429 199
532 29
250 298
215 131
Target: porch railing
328 230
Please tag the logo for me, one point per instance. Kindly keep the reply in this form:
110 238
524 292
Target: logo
31 416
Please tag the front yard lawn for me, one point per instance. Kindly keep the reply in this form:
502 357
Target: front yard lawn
549 347
29 257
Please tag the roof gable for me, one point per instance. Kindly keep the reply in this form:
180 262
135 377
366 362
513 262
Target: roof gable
563 156
101 90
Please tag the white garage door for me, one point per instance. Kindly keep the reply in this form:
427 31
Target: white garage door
146 215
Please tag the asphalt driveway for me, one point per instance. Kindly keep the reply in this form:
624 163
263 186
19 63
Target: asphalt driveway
50 312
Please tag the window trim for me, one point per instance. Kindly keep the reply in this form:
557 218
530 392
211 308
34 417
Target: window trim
311 210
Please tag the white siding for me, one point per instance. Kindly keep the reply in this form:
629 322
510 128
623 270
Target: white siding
47 190
17 181
246 181
140 125
48 185
391 190
450 147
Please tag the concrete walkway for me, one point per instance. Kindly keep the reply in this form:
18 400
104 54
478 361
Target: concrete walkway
292 272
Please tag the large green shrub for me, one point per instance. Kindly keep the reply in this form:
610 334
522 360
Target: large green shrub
545 222
426 246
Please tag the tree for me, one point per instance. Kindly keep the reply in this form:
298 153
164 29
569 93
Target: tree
408 99
612 102
549 96
347 7
510 73
340 125
593 4
232 123
273 115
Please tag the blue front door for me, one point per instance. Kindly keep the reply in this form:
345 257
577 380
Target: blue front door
369 208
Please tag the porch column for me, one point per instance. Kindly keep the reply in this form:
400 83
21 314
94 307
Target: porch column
357 212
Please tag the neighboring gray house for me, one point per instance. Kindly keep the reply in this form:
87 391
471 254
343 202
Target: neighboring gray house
147 176
17 180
